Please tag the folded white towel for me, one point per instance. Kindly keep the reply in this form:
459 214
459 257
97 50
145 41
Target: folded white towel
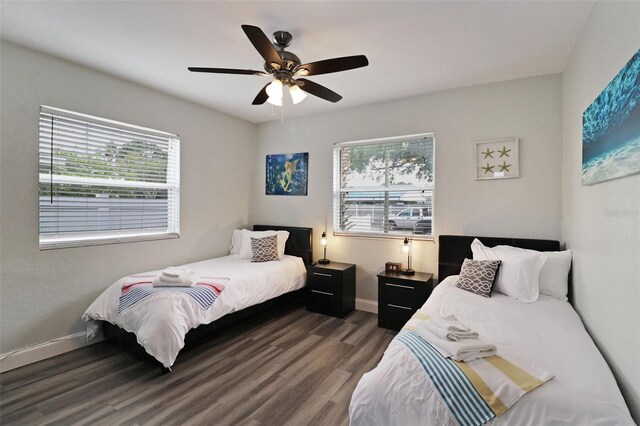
178 280
188 281
449 323
449 335
465 350
173 272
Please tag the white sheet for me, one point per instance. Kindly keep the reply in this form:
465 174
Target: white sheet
548 333
160 323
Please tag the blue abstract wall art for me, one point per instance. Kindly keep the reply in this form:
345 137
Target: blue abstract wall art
287 174
611 128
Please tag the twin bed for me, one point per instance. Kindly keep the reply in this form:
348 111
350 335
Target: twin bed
230 288
547 333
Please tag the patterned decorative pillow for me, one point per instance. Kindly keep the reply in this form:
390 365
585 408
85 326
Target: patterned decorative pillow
264 249
478 276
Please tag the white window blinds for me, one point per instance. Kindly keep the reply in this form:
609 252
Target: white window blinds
103 181
384 187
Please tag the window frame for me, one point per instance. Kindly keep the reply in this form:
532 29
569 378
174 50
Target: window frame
337 190
96 237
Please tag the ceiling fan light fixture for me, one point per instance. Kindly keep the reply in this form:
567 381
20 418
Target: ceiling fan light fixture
284 66
274 90
275 101
297 94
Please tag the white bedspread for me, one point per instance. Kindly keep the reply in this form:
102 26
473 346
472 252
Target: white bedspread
161 322
548 333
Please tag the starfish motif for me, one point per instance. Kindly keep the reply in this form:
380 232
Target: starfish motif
487 169
504 152
504 167
487 153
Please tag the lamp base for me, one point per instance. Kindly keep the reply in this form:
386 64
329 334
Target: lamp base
408 272
324 261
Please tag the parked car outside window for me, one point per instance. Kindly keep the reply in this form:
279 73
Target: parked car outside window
423 227
406 219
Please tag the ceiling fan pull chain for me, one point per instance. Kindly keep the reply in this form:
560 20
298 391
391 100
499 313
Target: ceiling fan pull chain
282 111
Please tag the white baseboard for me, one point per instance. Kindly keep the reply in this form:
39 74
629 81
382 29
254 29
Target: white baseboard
35 353
367 305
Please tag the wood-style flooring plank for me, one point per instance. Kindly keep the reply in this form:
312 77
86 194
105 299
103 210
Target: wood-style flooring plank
318 396
282 368
27 396
332 413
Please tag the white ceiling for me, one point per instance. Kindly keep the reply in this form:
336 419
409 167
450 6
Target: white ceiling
413 47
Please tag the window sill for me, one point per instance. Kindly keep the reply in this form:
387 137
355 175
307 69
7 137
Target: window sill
414 237
52 245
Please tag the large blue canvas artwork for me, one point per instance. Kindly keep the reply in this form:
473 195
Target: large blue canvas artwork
287 174
611 128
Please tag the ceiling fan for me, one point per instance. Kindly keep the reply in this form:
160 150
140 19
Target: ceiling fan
285 67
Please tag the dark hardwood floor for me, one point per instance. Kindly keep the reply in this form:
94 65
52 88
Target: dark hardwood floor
293 367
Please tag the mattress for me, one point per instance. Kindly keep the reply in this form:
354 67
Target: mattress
160 325
548 333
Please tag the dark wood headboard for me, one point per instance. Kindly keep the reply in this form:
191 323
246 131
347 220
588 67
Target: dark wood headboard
299 243
453 249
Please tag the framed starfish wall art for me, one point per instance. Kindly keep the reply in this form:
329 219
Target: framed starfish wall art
497 159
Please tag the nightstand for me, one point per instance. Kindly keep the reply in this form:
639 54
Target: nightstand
400 296
331 288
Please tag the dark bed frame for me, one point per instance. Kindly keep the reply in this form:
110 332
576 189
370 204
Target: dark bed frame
453 249
299 243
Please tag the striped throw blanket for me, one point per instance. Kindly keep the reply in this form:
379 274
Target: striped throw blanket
139 287
477 391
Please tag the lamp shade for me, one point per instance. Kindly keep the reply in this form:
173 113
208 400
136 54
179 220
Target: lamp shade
406 246
297 94
274 90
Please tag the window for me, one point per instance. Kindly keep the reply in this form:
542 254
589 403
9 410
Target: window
384 187
102 181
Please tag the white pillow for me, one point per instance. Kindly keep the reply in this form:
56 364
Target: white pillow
519 273
236 242
554 276
246 251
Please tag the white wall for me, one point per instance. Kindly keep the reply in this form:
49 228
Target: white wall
44 293
526 207
601 223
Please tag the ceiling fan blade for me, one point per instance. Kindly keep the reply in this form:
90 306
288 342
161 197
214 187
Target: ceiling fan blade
227 71
262 96
262 44
333 65
319 90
